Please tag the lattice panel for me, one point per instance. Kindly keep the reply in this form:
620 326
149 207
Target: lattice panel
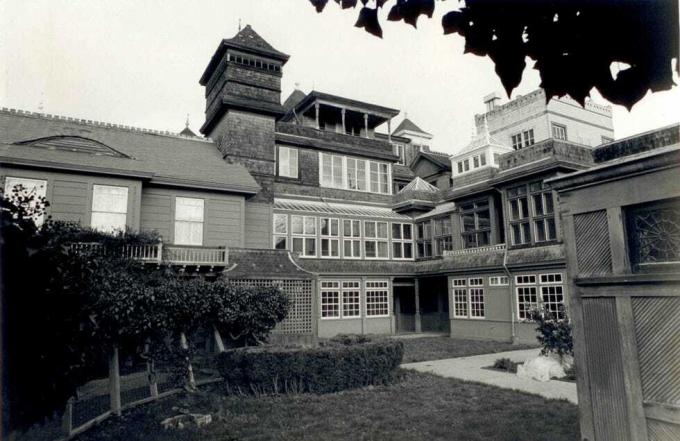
299 320
657 332
662 431
592 243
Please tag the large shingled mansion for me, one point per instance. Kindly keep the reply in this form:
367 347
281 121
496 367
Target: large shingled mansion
367 228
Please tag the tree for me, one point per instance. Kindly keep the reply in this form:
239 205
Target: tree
574 42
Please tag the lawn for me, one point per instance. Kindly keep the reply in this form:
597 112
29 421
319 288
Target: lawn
417 407
438 348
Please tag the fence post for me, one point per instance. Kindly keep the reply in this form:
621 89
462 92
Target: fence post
67 418
190 370
219 344
151 372
114 382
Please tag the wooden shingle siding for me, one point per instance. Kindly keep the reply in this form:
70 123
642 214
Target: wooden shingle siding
258 225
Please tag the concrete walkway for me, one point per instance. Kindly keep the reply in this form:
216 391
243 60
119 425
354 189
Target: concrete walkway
470 369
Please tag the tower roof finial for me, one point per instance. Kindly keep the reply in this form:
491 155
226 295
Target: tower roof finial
186 124
239 25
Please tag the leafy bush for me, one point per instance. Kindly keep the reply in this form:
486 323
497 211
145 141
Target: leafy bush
505 364
332 367
554 334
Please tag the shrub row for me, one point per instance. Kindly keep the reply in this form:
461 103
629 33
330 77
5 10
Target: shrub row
331 367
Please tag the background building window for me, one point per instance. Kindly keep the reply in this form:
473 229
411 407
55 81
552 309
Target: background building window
399 151
351 174
189 221
551 298
303 229
375 240
109 208
460 299
351 232
528 137
544 212
280 231
330 237
356 174
424 239
288 162
377 299
35 187
498 281
476 223
520 226
402 241
517 141
559 131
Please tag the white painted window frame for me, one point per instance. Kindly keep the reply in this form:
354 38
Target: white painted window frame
36 186
385 288
329 237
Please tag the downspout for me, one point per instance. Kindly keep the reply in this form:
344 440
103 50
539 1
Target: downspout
512 303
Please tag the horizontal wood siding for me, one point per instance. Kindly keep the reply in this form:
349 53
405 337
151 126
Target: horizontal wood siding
222 218
258 225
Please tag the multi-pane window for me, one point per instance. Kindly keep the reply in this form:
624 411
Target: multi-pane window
402 241
351 298
523 139
551 296
330 299
520 223
109 208
498 281
375 242
559 131
189 221
442 235
356 174
424 239
330 237
476 223
280 231
466 165
303 229
377 298
35 187
460 299
544 212
351 232
288 162
468 298
347 173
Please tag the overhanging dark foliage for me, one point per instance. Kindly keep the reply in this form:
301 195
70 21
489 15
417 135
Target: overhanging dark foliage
574 42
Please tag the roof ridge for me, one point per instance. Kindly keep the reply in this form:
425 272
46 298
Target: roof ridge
108 125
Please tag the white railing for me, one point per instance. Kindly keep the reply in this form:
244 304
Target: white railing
159 253
179 255
499 247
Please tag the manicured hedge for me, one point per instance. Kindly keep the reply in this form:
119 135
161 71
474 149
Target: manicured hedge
339 364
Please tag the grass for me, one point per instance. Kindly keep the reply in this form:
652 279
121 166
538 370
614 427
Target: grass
437 348
417 407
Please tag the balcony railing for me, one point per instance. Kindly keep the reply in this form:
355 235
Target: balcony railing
159 253
498 247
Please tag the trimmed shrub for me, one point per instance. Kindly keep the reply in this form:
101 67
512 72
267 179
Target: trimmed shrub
554 334
331 367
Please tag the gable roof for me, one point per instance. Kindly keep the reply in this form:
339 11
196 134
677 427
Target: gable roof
160 157
409 125
293 99
439 159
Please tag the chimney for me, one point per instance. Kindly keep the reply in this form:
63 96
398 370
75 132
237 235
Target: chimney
491 101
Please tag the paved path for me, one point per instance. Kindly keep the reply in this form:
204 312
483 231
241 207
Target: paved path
470 369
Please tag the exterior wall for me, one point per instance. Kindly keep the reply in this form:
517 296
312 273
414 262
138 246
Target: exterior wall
500 309
70 195
223 223
258 225
584 126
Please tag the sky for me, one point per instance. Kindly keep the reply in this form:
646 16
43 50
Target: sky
138 62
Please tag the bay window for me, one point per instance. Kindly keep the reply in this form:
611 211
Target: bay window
424 240
109 208
537 224
189 221
442 235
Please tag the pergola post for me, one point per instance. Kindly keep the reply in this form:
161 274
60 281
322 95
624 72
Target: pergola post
419 327
366 125
344 127
389 130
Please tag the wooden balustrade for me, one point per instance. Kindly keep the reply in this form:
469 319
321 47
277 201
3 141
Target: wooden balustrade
498 247
159 253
